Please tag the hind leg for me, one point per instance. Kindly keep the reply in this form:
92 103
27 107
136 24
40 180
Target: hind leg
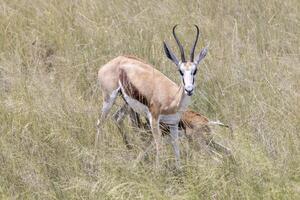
135 118
119 117
108 102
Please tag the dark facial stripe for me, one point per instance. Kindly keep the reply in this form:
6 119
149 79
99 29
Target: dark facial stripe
181 73
195 72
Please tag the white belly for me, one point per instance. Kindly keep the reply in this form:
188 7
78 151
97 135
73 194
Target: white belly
135 104
144 110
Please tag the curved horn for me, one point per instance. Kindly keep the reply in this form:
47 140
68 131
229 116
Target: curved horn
195 43
179 45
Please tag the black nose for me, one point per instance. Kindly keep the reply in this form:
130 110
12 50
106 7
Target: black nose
189 92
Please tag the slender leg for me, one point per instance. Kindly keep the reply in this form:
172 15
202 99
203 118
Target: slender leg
221 149
108 102
154 123
175 143
143 153
119 118
135 118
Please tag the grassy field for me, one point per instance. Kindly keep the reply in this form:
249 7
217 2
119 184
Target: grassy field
50 52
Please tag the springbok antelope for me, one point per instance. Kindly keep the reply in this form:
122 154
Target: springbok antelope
195 127
149 92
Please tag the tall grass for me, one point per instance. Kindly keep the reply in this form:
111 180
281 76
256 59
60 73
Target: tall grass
50 52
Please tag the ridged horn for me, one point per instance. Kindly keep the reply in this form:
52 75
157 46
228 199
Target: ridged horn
179 45
195 43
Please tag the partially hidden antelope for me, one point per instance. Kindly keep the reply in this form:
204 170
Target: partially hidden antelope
149 92
193 125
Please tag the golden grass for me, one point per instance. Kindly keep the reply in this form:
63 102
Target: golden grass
50 52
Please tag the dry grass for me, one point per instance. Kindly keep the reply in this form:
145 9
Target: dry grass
50 52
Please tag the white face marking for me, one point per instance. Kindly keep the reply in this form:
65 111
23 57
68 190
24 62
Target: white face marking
188 76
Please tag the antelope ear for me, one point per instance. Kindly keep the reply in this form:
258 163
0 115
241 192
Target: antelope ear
201 55
170 54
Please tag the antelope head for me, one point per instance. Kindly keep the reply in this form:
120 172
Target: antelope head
187 69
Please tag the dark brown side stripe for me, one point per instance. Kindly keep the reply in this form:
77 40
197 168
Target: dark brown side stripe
131 90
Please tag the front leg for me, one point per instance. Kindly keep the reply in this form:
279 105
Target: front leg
175 143
154 123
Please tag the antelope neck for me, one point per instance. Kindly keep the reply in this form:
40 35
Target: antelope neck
181 100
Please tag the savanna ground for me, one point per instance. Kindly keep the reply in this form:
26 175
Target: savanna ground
50 52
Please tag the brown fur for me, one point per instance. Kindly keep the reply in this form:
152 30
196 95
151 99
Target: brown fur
192 119
191 122
136 58
197 130
196 125
131 90
145 84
